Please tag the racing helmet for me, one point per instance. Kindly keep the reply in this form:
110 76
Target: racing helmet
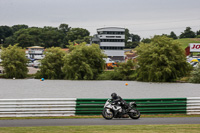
114 95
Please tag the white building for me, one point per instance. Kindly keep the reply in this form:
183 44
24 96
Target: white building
35 52
111 41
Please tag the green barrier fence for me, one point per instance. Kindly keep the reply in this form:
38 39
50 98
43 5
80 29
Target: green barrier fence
86 106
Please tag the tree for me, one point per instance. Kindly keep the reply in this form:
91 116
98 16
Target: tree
173 35
85 39
195 75
52 64
135 39
64 28
163 35
146 40
5 31
14 62
127 35
9 41
51 37
34 36
19 27
83 62
46 37
161 60
125 70
77 33
188 33
26 37
24 40
198 32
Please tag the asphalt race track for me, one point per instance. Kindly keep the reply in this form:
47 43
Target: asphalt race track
98 121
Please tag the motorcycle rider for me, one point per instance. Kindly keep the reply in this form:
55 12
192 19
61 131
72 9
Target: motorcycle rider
117 99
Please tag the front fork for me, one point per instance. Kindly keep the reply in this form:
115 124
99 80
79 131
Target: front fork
108 111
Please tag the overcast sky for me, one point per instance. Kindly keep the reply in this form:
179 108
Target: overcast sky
143 17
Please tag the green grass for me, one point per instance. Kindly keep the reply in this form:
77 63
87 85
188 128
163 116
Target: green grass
97 116
1 75
195 128
116 75
185 41
30 76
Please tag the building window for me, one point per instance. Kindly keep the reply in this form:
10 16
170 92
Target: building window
111 48
111 32
110 36
112 40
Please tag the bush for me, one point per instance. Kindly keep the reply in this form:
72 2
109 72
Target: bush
14 62
2 75
109 75
51 64
195 75
162 60
124 71
83 62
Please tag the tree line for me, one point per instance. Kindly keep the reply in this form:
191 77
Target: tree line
187 33
83 62
46 37
60 36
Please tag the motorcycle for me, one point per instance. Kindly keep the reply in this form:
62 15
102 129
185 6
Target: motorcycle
112 110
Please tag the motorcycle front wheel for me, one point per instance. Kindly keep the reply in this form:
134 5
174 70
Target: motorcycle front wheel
135 114
106 115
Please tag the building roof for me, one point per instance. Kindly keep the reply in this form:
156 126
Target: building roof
110 28
118 29
131 55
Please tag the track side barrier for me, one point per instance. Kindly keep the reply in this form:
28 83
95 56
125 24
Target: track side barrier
37 107
193 105
145 106
93 106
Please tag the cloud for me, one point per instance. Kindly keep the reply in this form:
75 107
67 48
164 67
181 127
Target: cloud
137 15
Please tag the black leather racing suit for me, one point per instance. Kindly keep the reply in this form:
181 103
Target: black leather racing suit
118 99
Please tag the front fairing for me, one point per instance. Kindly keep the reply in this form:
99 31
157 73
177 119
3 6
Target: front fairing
111 106
108 104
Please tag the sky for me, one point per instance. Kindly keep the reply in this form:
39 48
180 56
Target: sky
143 17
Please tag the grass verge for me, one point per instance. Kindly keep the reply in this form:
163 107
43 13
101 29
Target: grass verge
185 41
97 116
106 129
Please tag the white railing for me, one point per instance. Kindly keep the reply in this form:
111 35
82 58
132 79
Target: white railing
59 107
193 105
37 107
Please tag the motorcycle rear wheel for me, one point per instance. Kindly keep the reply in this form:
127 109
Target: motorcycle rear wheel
135 115
106 115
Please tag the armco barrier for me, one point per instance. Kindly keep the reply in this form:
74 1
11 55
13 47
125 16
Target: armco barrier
145 106
193 105
85 106
37 107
